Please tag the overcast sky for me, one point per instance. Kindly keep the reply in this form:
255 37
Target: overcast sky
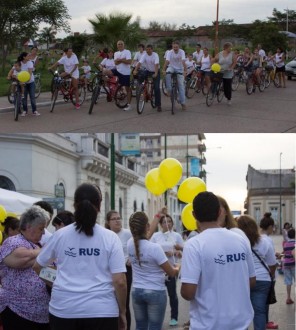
191 12
227 166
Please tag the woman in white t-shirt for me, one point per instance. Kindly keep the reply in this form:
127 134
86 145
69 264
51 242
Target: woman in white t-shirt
280 66
114 223
265 251
89 291
149 264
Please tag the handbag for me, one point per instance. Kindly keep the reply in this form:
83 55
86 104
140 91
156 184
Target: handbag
271 298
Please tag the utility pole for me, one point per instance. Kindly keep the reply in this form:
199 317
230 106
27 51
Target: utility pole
112 170
217 29
281 192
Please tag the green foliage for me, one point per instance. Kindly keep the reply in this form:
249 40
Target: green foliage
77 42
267 34
280 19
117 26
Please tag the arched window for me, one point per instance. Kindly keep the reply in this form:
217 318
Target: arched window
142 207
135 206
6 183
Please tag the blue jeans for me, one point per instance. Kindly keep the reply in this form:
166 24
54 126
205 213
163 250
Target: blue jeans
29 89
149 308
258 298
172 292
181 85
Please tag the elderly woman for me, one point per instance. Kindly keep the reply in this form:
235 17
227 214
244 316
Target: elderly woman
23 297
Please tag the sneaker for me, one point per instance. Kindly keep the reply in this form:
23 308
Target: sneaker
36 113
159 109
183 107
272 325
229 102
77 106
24 113
173 322
128 107
289 301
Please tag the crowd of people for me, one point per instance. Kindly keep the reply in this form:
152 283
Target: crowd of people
146 62
226 263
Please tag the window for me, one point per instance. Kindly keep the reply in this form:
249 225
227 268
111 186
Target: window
103 150
135 206
274 213
6 183
257 213
142 207
120 207
130 165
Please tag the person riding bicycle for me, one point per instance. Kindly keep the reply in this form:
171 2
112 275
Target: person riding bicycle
206 67
190 66
197 55
257 64
175 63
70 63
86 72
150 60
123 60
12 75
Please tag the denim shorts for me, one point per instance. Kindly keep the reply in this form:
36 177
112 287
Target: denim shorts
289 274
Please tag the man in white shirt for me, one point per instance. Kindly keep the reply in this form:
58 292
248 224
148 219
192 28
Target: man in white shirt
150 61
123 60
197 55
217 272
175 63
261 52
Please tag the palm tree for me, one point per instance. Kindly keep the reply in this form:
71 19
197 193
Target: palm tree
47 34
116 26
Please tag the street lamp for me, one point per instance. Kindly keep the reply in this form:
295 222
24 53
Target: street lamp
281 192
217 28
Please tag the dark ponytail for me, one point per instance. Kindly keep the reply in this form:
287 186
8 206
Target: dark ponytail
22 56
266 221
87 204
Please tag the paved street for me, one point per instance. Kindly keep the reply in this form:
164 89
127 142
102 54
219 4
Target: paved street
280 313
271 111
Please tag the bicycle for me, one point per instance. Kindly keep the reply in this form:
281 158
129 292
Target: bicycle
270 76
195 84
64 86
239 77
109 86
37 79
252 83
174 92
216 89
17 100
145 93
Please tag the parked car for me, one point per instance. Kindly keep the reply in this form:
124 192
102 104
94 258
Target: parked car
291 69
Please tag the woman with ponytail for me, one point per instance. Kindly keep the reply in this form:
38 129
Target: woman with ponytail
149 265
89 291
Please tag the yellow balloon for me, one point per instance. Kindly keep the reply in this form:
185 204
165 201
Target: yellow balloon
187 217
170 170
154 183
11 214
189 188
1 237
216 67
3 213
1 227
23 76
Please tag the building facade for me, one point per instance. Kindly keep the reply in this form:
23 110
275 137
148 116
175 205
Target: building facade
271 191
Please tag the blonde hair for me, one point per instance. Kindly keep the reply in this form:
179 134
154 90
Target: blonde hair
229 219
138 226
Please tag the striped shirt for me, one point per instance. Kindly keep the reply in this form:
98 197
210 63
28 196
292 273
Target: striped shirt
289 260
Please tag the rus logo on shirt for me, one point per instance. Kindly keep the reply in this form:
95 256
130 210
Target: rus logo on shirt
229 258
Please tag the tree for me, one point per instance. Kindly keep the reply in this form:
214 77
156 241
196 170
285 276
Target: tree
47 34
267 34
281 19
154 26
117 26
77 42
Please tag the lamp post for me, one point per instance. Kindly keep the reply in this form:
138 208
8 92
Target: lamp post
281 192
112 174
217 29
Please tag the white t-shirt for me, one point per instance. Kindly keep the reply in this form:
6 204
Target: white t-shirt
149 275
149 61
205 63
45 237
265 250
190 66
262 53
176 59
123 68
108 63
241 233
167 241
26 67
197 56
124 235
220 263
69 64
138 57
83 287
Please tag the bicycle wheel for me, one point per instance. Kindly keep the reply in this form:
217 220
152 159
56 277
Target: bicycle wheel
81 93
220 92
152 100
10 94
140 96
54 97
267 79
121 97
210 97
261 83
235 82
276 81
37 88
17 105
94 97
249 86
163 87
190 87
